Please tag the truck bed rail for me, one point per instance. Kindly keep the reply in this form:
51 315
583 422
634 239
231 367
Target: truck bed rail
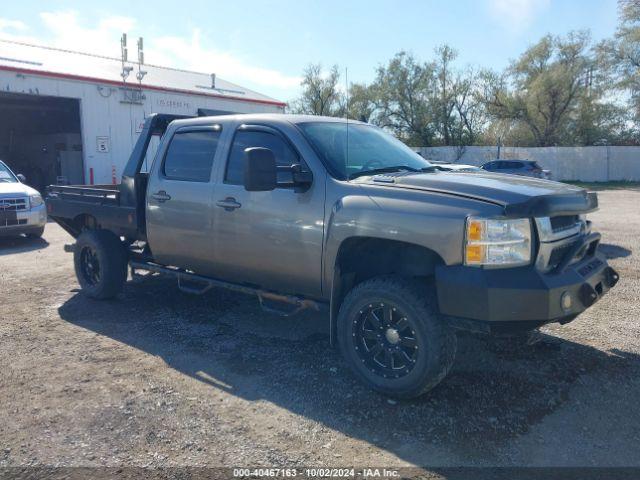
100 194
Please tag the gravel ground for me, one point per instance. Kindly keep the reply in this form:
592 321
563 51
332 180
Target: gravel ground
161 378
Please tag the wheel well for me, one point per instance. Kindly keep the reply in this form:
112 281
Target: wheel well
362 258
78 224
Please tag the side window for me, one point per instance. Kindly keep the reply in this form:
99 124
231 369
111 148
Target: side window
247 138
190 155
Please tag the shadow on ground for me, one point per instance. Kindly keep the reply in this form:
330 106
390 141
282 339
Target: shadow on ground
21 244
614 251
224 340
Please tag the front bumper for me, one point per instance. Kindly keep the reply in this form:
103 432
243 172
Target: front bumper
26 221
494 299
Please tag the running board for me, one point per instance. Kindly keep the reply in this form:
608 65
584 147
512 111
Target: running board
188 282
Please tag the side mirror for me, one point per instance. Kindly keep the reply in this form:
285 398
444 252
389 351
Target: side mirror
260 172
21 177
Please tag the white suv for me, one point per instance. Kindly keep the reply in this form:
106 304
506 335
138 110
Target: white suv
22 209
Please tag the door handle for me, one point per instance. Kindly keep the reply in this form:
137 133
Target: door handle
229 204
161 196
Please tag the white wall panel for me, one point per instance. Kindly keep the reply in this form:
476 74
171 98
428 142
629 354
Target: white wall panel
104 114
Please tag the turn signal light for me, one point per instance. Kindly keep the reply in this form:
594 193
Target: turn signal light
474 230
475 254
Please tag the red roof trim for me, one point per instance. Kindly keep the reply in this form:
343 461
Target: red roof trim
68 76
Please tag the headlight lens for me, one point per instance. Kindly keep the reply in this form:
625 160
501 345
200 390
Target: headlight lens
35 200
497 242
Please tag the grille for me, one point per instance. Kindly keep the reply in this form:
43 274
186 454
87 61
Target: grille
558 254
13 204
11 222
564 222
9 208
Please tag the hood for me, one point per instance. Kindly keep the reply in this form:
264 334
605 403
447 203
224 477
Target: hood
16 189
519 196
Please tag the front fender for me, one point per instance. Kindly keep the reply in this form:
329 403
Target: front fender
435 221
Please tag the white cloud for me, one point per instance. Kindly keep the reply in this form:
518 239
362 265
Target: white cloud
192 54
516 15
65 29
6 24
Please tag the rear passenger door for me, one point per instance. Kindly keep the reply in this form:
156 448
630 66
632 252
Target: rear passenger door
179 196
271 239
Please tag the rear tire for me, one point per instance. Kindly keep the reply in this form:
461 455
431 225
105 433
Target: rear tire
100 261
393 337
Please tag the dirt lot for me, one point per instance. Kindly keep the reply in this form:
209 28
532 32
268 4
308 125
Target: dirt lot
161 378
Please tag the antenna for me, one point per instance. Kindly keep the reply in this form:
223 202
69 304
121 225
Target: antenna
140 50
141 73
124 54
346 110
123 47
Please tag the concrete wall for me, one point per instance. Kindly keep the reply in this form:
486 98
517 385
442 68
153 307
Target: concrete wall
588 164
103 114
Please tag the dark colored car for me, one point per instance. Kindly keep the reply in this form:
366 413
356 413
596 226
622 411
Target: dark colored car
527 168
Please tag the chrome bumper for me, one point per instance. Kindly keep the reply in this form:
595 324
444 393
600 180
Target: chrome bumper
27 220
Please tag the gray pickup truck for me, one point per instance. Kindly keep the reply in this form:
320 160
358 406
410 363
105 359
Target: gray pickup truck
313 212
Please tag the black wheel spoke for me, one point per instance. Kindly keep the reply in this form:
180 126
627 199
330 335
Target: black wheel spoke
402 324
375 350
408 342
385 340
90 266
388 359
405 356
370 334
375 321
388 316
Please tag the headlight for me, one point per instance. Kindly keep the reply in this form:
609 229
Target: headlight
497 242
35 200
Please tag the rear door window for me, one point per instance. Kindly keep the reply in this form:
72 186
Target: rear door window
190 155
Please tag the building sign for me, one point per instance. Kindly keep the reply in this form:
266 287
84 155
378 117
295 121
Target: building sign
175 104
102 144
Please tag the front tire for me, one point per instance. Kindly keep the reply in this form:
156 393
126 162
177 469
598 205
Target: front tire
393 337
100 261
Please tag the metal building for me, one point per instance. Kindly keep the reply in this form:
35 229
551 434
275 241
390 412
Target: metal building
69 117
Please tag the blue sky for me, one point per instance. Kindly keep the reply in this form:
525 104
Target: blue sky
265 44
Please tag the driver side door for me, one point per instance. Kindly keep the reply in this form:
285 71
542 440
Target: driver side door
271 239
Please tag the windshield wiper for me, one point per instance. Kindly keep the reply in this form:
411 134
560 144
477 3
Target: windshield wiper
374 171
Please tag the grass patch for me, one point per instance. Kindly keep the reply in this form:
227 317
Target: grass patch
614 185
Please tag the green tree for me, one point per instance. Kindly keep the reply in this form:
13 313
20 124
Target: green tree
403 88
621 54
362 102
445 95
544 86
320 93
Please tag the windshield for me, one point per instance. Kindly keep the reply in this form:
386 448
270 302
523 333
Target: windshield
360 149
6 175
